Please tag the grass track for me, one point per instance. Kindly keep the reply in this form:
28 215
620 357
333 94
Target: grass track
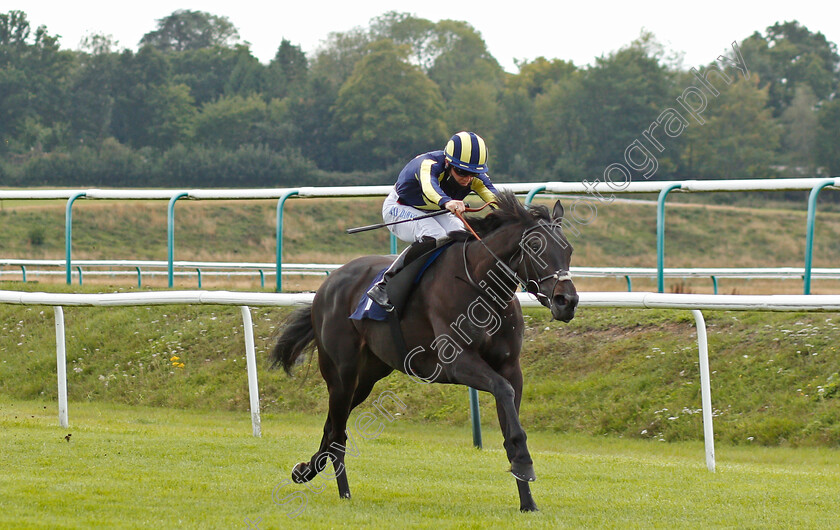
133 467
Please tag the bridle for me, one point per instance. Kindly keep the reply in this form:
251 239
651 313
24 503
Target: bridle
558 275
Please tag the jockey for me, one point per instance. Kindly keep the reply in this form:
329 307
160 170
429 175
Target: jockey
434 181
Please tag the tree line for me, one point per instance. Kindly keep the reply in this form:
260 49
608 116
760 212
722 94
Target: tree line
191 106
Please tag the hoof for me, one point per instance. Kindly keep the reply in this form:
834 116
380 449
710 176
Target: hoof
523 472
301 472
529 508
345 495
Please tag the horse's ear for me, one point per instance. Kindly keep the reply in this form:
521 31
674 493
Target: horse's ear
557 214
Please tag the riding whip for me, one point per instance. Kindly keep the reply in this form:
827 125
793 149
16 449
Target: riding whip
424 216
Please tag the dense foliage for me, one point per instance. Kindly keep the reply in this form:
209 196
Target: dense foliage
192 106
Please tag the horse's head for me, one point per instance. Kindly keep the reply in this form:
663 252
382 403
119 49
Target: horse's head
544 263
541 259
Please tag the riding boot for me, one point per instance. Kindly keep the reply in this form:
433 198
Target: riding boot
377 292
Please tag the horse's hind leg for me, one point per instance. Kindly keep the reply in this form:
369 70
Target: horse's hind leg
370 371
339 394
348 385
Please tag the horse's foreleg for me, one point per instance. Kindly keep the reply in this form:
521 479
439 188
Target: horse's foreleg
474 372
513 374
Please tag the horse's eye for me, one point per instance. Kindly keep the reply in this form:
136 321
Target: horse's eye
534 245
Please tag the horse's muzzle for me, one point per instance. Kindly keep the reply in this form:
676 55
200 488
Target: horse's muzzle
563 306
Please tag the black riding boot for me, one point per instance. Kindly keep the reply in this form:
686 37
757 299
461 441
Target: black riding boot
377 293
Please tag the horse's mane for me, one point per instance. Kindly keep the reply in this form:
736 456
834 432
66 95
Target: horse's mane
509 211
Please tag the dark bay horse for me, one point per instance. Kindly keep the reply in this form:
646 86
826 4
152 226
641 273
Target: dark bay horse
462 325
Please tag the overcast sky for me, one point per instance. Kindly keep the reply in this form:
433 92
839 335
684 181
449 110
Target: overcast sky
574 31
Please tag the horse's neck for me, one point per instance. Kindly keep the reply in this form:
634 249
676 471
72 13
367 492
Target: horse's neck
485 267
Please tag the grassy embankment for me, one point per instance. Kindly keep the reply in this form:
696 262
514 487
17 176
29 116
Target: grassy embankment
611 372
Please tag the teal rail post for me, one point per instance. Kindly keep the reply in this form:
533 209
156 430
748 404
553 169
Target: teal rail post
68 234
199 277
533 193
809 236
79 270
715 284
280 202
262 279
475 415
23 272
170 236
139 278
660 236
393 244
629 283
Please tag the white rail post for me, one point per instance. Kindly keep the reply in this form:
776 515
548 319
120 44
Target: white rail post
61 365
251 359
705 389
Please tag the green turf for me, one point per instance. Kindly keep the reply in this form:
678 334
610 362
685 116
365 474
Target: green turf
139 467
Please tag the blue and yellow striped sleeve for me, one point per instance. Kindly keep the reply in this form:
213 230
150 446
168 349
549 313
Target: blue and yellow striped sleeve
484 188
432 192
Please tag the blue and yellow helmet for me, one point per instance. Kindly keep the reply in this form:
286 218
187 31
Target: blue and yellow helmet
467 151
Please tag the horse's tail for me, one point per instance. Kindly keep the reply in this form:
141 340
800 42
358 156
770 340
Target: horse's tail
293 341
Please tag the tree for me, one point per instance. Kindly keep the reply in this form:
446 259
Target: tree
739 137
460 56
621 95
337 57
230 121
137 79
403 28
562 142
92 92
474 107
217 71
191 30
828 136
34 75
388 110
788 56
800 125
287 72
172 119
539 75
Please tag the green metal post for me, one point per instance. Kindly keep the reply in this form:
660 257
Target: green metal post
660 236
199 277
68 233
170 236
475 415
23 272
139 278
280 202
809 236
629 283
79 269
262 279
393 244
533 193
714 282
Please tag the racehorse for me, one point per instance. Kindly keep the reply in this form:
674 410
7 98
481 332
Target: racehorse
462 325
